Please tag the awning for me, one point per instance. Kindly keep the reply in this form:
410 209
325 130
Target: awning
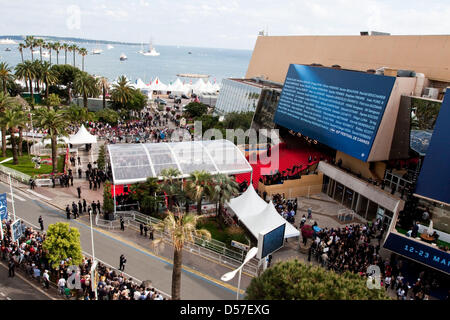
258 215
82 137
133 163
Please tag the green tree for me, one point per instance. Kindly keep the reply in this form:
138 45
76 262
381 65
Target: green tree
83 52
108 201
104 85
223 189
101 157
87 86
79 115
53 100
21 47
12 119
108 115
48 76
121 93
293 280
195 109
146 194
74 49
62 242
27 72
238 120
171 185
66 75
426 113
40 43
6 76
56 47
197 186
6 103
182 228
55 123
30 43
65 47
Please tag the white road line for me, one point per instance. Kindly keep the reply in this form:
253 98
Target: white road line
4 295
16 196
39 195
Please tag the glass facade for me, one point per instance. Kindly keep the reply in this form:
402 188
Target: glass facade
236 96
355 201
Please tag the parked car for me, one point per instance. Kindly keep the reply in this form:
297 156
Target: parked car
171 96
184 96
193 96
177 100
160 101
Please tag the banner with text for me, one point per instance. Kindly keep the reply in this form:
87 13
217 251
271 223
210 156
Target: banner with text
339 108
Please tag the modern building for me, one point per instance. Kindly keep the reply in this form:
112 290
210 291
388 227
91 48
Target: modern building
364 99
241 95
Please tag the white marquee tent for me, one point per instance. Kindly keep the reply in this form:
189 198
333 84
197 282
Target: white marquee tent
82 137
258 215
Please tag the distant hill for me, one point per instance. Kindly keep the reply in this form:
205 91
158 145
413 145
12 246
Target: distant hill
67 39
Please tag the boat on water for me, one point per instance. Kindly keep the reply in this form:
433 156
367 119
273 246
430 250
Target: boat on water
7 49
151 51
7 41
97 51
189 52
123 57
109 47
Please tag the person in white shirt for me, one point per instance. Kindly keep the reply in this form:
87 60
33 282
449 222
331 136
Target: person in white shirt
387 282
46 279
61 285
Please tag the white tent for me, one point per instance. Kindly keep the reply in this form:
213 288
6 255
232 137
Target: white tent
140 84
199 86
258 215
82 137
178 87
157 85
216 86
209 87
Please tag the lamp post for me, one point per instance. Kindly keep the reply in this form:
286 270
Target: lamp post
230 275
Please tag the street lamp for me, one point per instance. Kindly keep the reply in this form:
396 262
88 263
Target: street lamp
230 275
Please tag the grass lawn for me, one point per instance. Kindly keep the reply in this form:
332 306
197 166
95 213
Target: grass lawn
27 166
224 235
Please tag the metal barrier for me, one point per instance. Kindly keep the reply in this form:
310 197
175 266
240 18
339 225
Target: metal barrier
210 249
16 177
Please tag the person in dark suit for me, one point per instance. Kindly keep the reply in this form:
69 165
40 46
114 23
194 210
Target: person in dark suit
79 192
80 206
68 212
141 227
84 205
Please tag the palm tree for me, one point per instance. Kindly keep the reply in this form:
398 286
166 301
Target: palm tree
57 46
197 187
224 188
74 48
12 119
83 53
49 47
182 228
76 114
103 82
55 123
65 46
121 92
37 65
48 76
21 47
27 72
171 185
5 75
40 43
30 42
6 103
86 85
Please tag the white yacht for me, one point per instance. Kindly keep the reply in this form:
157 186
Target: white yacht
151 51
7 41
109 47
97 51
123 57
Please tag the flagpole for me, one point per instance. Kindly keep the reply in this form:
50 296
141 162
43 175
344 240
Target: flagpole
12 197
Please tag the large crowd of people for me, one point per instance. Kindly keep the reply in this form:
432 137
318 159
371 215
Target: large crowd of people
31 258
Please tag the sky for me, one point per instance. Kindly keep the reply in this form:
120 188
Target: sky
230 24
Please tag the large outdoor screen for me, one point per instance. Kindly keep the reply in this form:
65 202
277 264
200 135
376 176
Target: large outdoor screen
434 178
339 108
273 240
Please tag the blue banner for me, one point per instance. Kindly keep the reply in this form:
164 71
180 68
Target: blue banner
415 250
3 207
339 108
434 177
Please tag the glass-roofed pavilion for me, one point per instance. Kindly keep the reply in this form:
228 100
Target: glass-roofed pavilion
131 163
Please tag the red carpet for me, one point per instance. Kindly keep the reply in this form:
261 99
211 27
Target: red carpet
288 157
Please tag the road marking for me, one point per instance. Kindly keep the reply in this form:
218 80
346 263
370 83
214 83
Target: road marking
4 295
39 195
16 196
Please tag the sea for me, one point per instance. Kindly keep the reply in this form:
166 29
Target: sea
217 63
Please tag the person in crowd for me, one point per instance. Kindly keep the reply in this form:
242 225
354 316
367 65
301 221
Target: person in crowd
41 223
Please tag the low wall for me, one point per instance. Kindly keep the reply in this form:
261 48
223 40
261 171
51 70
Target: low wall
305 186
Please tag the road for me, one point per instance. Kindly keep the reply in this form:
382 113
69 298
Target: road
18 287
141 264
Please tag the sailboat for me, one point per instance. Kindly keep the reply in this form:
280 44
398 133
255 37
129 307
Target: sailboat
97 50
151 51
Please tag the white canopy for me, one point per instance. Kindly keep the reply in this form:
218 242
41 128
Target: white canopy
157 85
82 137
178 87
257 215
199 86
140 84
209 88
